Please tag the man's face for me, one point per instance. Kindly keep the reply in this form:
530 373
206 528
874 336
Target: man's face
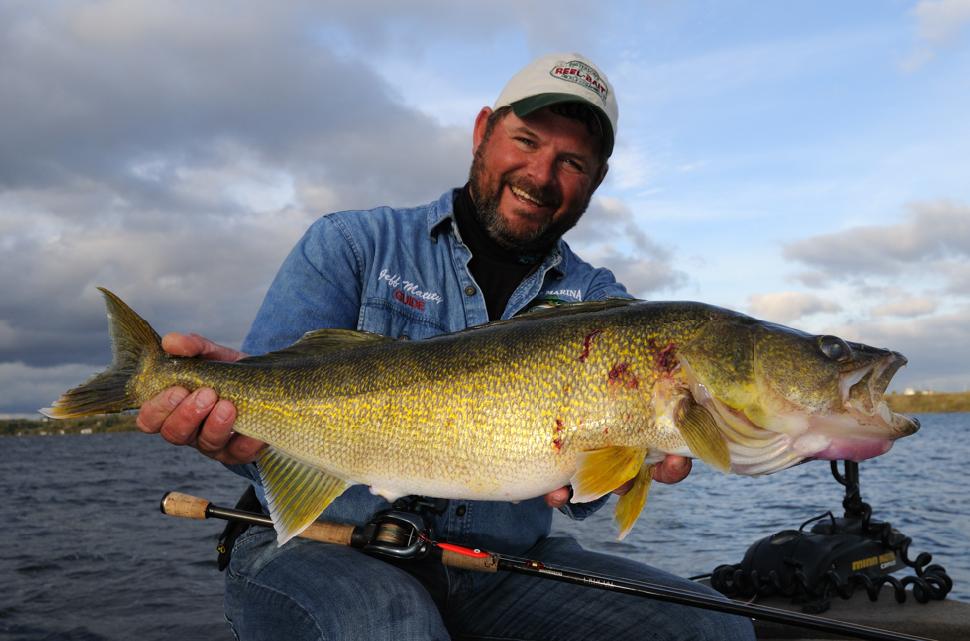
532 178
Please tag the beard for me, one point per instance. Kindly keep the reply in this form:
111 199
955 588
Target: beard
487 199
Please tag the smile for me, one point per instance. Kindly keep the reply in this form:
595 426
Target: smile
525 196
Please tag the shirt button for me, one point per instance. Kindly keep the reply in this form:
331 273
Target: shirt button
470 291
460 510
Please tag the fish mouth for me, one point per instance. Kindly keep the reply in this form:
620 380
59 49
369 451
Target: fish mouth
876 425
862 394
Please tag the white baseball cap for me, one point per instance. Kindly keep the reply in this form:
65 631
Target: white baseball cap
558 78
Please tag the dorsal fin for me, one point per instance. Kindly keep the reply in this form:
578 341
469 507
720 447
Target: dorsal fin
555 309
319 342
552 309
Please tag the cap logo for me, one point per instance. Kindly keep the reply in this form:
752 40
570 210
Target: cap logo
581 74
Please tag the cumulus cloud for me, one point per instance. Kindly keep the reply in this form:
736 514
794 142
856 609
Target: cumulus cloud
785 307
931 231
906 308
608 234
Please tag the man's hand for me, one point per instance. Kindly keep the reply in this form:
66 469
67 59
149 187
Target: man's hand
672 469
200 418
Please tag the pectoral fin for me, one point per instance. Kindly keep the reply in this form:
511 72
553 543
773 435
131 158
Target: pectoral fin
703 436
297 493
630 505
603 470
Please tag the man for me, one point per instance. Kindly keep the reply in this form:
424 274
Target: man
480 253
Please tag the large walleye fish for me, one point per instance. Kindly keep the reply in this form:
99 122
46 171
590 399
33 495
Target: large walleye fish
587 394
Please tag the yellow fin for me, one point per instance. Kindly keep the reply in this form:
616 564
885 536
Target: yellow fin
296 493
601 471
703 437
630 505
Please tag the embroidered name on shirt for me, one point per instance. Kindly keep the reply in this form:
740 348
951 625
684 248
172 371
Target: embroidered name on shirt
409 292
408 300
572 293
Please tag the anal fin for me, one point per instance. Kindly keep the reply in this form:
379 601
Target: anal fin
296 492
630 505
602 471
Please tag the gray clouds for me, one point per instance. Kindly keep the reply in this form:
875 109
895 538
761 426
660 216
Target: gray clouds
136 97
930 234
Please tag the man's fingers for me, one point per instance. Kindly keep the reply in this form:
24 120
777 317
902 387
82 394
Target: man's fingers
153 412
182 344
557 498
240 449
217 429
178 344
623 489
182 425
672 469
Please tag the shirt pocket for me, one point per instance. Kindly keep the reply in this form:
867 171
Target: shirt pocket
393 318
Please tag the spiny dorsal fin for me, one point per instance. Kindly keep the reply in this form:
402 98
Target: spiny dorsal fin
601 471
630 505
555 309
319 342
703 436
296 492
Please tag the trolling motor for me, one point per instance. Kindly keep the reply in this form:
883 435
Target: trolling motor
835 557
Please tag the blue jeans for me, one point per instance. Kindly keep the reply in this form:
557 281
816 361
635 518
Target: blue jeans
308 590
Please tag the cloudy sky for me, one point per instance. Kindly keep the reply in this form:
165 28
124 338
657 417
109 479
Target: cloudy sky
805 162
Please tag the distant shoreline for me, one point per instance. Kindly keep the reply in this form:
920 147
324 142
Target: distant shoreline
88 425
927 403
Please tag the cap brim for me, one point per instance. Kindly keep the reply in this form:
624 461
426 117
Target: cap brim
526 106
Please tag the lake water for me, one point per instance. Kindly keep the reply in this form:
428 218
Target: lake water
87 555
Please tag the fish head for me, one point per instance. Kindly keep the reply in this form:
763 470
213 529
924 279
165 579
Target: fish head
781 395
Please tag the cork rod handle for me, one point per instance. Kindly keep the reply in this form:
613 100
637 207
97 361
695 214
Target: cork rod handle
184 506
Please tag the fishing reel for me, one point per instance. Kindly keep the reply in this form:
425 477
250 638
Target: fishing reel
837 556
403 531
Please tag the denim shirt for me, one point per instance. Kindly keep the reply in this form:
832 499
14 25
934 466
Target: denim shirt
404 273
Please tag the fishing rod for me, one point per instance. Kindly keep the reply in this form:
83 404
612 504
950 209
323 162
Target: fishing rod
402 535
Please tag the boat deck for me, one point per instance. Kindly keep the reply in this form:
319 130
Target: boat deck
939 620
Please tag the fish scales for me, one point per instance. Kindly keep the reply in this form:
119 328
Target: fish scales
449 420
589 395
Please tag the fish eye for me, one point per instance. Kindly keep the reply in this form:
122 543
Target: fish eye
835 348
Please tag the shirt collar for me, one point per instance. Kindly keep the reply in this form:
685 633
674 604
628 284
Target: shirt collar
441 211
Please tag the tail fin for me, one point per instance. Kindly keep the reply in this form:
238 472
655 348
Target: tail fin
132 340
